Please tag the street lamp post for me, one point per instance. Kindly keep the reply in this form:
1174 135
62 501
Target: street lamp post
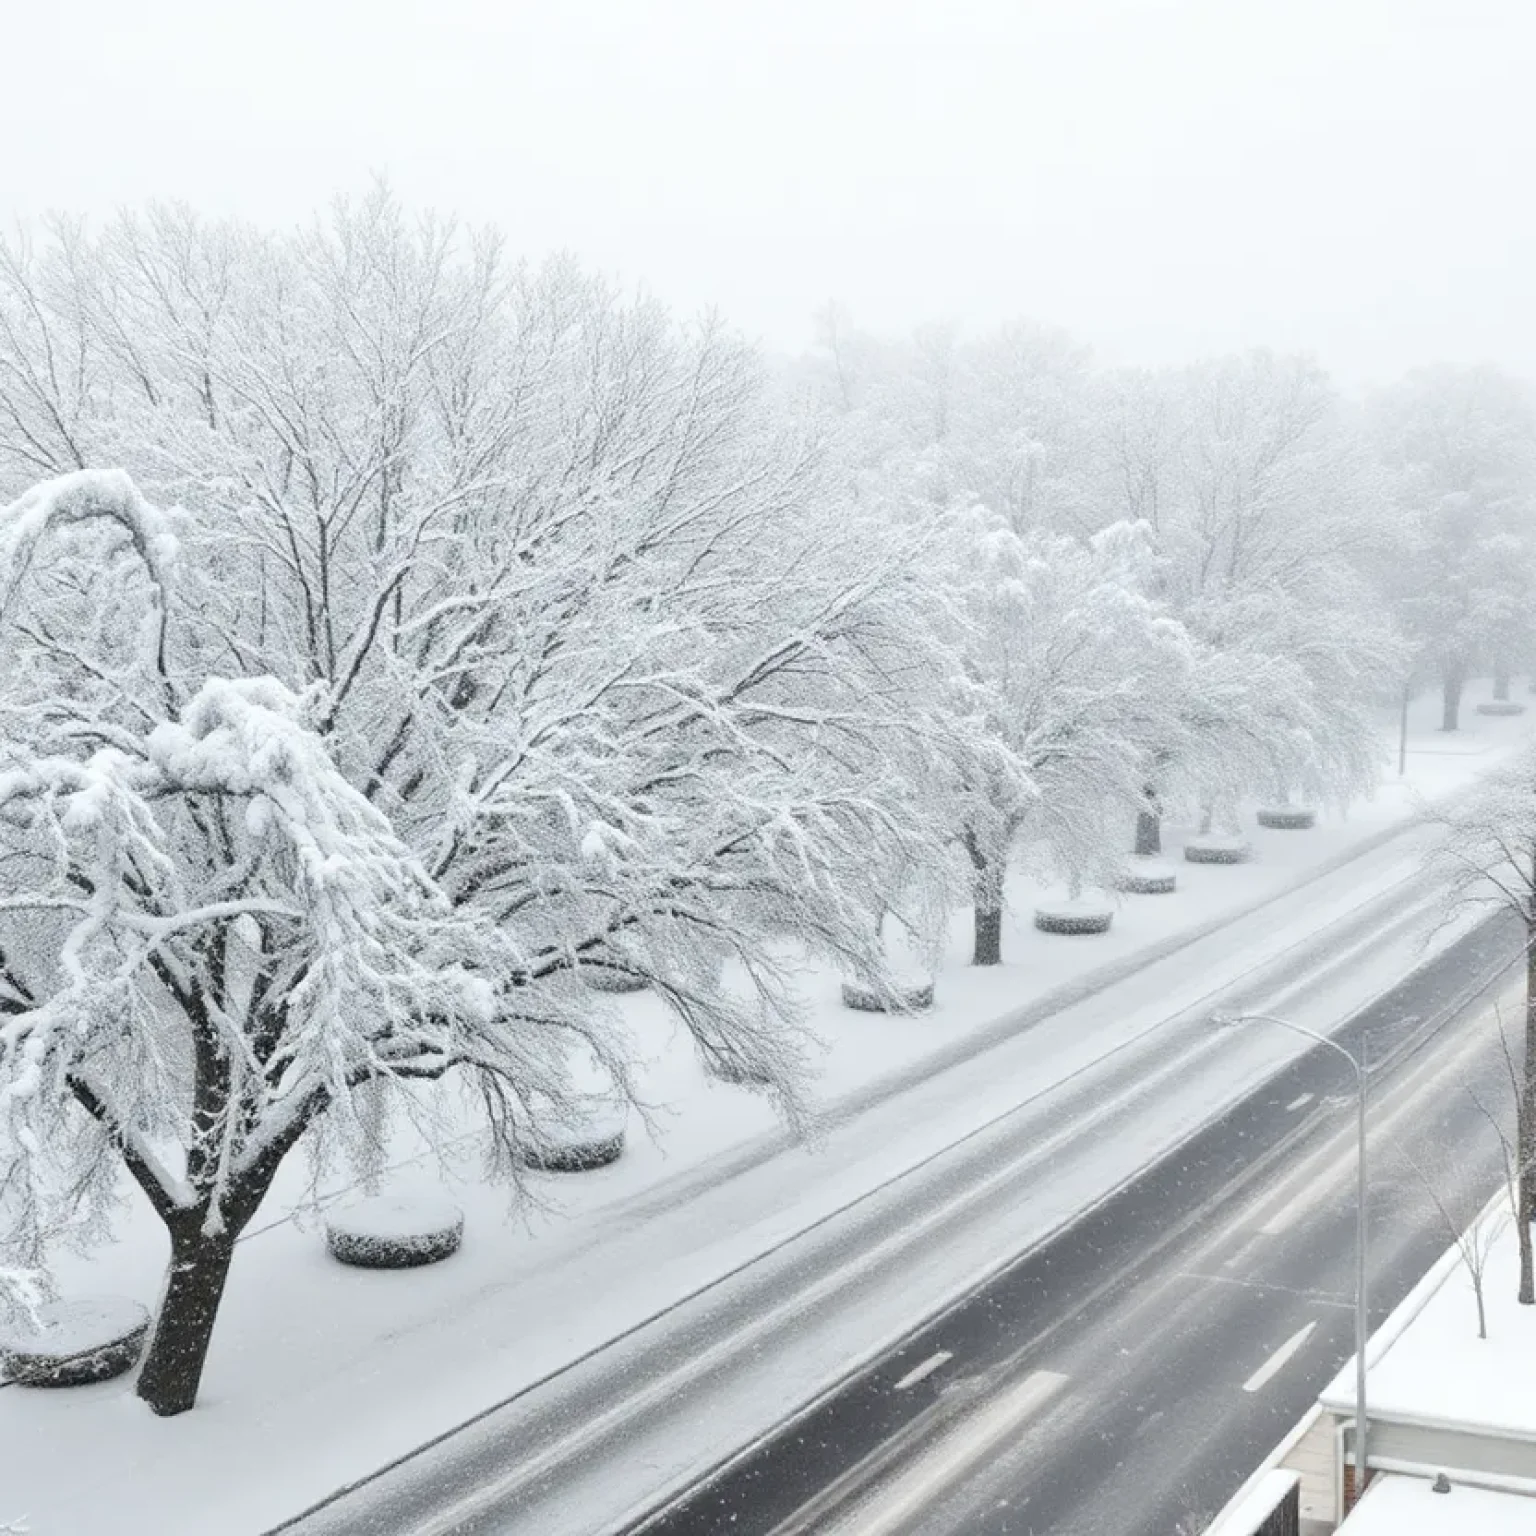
1362 1320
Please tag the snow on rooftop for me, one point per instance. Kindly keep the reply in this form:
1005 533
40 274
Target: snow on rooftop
1427 1364
1408 1506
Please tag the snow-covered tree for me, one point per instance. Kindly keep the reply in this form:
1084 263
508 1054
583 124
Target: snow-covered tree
208 938
1062 644
1265 514
514 630
1022 441
1459 447
1003 418
1488 856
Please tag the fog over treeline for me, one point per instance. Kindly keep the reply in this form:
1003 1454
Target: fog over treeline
1164 178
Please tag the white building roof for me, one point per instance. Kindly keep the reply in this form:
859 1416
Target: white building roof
1407 1506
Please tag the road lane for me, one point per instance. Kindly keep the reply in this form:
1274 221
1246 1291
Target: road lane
1170 1432
1156 1346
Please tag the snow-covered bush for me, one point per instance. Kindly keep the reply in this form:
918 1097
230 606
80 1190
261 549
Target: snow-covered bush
1081 915
1147 877
577 1137
1286 818
1215 848
74 1341
899 997
395 1232
1500 707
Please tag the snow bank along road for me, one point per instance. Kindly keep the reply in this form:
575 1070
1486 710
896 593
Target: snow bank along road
911 1218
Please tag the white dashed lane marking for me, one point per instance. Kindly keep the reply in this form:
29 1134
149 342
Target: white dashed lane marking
1276 1361
925 1370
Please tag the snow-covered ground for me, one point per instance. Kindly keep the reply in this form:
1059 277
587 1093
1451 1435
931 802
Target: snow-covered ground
1426 1364
332 1371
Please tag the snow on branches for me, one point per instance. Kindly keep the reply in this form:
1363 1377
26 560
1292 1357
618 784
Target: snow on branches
238 941
1459 450
1488 856
1067 655
1266 517
515 630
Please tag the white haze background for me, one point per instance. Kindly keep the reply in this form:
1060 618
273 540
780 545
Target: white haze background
1165 180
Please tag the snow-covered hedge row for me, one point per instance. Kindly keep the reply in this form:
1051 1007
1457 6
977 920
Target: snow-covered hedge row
903 997
1147 878
76 1341
1211 849
577 1141
1074 917
395 1232
1287 818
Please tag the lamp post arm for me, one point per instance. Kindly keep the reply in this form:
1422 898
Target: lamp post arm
1355 1064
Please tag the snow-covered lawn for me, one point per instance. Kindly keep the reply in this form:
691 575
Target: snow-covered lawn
301 1336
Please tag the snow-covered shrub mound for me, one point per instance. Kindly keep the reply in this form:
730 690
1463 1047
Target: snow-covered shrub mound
395 1231
576 1139
75 1341
1085 915
1287 818
903 996
1211 848
1500 707
1147 877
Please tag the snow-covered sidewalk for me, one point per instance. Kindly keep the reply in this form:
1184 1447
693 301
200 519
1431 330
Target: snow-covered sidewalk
333 1371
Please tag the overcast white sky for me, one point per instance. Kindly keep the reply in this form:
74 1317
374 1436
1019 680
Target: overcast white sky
1163 177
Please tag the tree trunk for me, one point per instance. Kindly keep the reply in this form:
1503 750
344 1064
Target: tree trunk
1501 681
987 885
1451 682
989 935
178 1348
1149 825
1525 1118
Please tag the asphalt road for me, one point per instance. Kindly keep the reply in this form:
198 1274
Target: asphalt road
1126 1378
